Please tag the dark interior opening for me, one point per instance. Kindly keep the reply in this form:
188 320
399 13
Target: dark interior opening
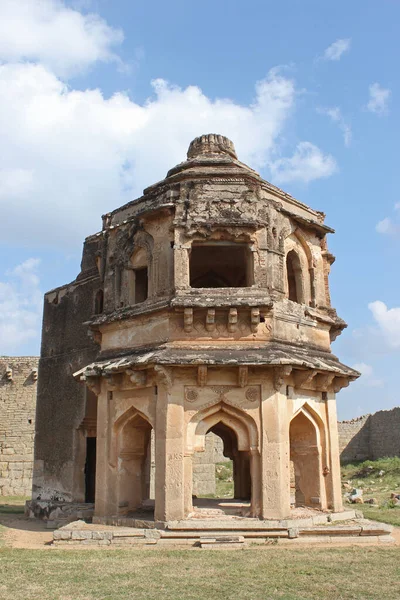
221 265
292 265
90 469
99 302
141 285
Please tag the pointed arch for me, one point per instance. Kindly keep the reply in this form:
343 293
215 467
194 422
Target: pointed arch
240 422
242 431
128 415
132 459
307 451
294 277
298 272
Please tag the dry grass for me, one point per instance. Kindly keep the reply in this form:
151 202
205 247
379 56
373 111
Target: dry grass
252 574
377 479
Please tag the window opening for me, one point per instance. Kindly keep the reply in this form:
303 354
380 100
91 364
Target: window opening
141 285
221 265
99 302
293 268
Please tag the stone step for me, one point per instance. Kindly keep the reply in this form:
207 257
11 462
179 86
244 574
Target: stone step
195 534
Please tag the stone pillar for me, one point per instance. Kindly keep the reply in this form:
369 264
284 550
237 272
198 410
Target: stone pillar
275 475
256 484
101 499
188 473
170 477
334 490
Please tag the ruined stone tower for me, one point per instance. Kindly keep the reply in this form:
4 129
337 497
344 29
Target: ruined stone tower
207 302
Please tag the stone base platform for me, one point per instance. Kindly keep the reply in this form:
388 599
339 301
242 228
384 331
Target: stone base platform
236 533
58 513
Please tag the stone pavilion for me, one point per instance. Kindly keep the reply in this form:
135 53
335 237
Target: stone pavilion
207 306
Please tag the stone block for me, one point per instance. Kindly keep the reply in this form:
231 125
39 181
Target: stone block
62 534
81 534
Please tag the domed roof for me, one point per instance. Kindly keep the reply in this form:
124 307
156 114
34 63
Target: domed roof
212 152
211 144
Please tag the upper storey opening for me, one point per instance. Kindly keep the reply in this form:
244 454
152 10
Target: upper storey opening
220 265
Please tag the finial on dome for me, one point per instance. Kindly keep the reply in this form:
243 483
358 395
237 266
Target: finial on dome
211 144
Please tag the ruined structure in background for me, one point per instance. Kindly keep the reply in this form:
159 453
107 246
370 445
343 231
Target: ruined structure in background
18 383
207 302
371 436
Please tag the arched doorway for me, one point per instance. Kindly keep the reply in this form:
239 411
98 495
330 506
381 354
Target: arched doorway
306 461
133 463
239 436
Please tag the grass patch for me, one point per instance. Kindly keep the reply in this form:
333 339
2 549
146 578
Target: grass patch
377 479
224 479
254 574
12 504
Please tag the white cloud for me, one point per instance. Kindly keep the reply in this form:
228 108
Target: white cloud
47 31
73 155
335 50
378 99
20 306
307 163
335 114
388 321
367 373
387 226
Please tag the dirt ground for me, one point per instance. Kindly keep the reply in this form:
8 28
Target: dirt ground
21 532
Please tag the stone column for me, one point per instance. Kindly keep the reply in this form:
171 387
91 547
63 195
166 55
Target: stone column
256 484
170 472
275 472
101 499
334 491
188 501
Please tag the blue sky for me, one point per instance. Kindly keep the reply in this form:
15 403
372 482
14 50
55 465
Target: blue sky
99 98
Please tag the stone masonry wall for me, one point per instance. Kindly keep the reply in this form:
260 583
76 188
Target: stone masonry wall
371 436
354 439
17 423
204 465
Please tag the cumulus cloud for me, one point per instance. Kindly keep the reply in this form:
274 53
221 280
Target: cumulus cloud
307 163
389 226
337 49
20 306
72 155
49 32
378 99
388 321
368 377
335 114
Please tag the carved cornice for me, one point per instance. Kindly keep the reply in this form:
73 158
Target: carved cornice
164 376
280 374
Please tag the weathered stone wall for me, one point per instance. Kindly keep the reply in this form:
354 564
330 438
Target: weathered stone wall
384 436
370 436
18 377
204 465
354 439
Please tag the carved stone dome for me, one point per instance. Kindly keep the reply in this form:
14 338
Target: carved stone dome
211 144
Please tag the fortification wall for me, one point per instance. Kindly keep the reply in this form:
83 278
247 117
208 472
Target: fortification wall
370 436
384 436
354 439
18 385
